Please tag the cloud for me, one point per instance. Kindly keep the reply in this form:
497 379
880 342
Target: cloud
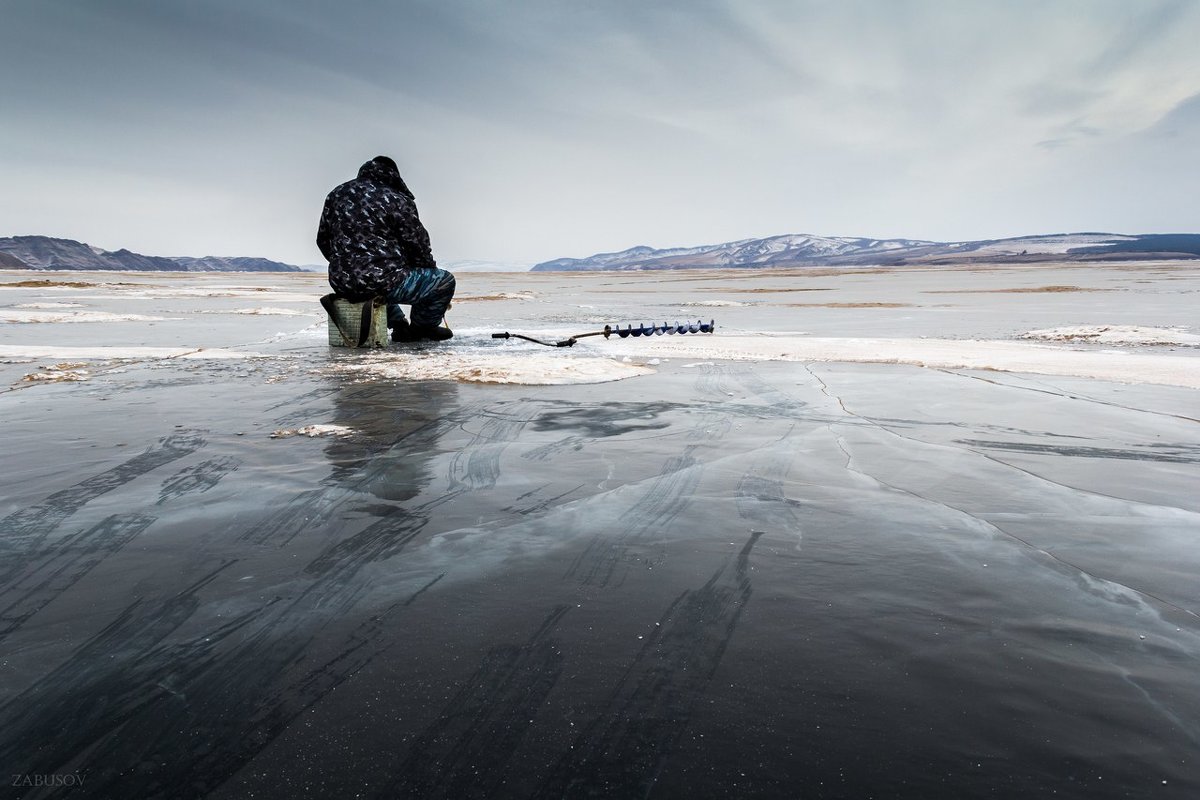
1182 120
543 129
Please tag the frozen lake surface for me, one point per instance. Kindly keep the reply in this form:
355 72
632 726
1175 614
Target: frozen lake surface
928 533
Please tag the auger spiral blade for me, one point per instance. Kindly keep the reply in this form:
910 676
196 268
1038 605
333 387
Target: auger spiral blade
699 326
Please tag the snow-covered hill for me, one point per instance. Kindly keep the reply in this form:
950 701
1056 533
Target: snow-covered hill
801 250
50 253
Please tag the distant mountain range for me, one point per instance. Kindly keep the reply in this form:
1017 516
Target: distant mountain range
788 250
47 253
804 250
476 265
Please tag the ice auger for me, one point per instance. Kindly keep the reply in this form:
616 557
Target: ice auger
699 326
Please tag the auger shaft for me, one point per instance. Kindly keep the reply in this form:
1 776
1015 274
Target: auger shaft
699 326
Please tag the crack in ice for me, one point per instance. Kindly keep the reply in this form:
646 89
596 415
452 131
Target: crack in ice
1067 396
986 523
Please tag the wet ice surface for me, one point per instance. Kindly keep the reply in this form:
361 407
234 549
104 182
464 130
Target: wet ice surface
712 578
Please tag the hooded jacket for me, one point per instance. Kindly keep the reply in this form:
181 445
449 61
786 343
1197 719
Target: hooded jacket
371 234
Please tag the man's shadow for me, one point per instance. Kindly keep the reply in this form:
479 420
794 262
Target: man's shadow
395 433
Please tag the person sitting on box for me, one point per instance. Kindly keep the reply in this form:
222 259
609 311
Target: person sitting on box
377 247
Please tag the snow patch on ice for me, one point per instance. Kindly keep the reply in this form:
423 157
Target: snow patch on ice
526 369
64 352
25 315
264 311
1116 334
66 372
1042 359
178 292
49 306
525 295
312 431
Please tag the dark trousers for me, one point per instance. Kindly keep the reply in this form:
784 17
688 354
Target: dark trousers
428 291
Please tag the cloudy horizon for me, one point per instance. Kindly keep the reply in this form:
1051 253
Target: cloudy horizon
540 130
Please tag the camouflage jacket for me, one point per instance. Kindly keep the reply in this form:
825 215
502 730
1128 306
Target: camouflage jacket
371 234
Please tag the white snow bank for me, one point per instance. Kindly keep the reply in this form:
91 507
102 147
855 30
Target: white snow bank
517 368
1115 334
46 306
1173 370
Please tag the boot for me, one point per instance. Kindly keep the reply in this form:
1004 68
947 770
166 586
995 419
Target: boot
422 333
400 333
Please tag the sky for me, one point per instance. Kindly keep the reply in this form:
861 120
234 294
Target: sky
537 130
